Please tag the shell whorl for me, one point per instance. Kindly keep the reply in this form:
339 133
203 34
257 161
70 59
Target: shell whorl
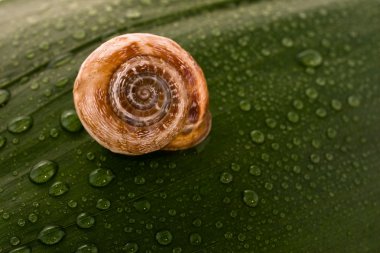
138 93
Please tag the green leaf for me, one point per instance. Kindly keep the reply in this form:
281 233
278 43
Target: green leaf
292 161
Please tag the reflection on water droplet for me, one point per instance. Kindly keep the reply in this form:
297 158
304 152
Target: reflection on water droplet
100 177
20 124
50 235
250 198
43 171
87 248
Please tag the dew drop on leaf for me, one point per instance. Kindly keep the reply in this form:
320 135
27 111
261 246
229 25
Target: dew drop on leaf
250 198
257 137
58 188
195 239
100 177
4 97
84 220
103 204
310 58
20 124
43 171
142 205
226 178
164 237
3 141
131 247
70 121
50 235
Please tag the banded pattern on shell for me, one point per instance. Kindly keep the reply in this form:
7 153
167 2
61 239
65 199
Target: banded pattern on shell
138 93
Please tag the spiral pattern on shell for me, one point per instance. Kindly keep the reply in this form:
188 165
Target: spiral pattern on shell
138 93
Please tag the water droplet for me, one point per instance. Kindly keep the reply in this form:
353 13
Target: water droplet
354 101
235 167
293 117
257 137
287 42
177 250
4 97
43 171
62 82
70 121
100 177
87 248
195 239
250 198
298 104
336 104
103 204
131 247
21 222
254 170
14 240
331 133
84 220
139 180
245 105
3 141
164 237
133 14
79 34
226 178
20 124
311 93
33 218
54 133
321 112
22 249
50 235
310 58
271 123
58 188
72 203
315 158
142 205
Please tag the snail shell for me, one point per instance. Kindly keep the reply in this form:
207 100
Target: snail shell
139 93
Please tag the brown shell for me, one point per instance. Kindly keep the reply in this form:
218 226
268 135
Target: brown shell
139 93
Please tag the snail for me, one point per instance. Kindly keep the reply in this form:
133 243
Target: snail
138 93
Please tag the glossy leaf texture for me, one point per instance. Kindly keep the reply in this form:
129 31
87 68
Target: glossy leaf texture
292 161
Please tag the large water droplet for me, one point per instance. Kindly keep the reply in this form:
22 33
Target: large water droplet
4 97
20 124
100 177
70 121
84 220
250 198
164 237
50 235
43 171
58 188
142 205
310 58
87 248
